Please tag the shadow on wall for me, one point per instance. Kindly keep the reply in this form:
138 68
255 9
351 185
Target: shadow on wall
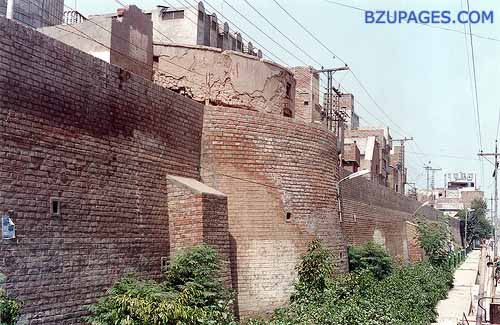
234 271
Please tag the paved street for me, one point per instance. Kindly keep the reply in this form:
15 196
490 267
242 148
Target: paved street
460 297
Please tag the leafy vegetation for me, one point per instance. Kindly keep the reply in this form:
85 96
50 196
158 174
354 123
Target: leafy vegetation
478 226
435 239
371 257
190 294
404 295
9 308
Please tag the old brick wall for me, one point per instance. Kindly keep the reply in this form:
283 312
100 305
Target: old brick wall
198 214
375 212
101 141
279 176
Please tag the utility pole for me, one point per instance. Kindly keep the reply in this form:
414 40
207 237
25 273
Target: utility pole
495 174
330 114
10 9
402 160
431 181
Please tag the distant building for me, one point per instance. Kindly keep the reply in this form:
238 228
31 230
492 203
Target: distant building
193 26
124 38
36 13
375 151
346 103
459 192
398 172
307 95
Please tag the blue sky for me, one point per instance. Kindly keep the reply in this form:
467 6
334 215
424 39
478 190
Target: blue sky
418 75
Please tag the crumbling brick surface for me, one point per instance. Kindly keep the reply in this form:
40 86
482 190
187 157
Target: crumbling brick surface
279 176
101 141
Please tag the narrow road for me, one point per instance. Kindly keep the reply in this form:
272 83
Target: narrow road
451 309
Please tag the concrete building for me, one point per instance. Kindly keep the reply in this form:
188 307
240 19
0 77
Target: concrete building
346 103
351 159
194 26
36 13
124 39
458 193
375 151
398 172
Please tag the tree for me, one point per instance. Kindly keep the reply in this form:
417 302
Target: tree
478 226
435 239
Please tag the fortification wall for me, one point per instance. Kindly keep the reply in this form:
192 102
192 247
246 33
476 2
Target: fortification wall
375 212
279 177
101 142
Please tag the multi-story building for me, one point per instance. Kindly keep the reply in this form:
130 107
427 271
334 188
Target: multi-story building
36 13
458 193
398 170
375 151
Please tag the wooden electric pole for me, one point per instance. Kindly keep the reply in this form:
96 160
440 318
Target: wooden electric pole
495 174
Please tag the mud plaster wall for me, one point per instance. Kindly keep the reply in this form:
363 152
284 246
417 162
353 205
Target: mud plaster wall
226 78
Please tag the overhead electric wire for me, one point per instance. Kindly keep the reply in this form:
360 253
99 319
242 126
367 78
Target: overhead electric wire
310 33
279 31
475 81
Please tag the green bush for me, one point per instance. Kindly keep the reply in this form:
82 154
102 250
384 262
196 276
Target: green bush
435 239
9 308
408 295
191 294
370 257
314 272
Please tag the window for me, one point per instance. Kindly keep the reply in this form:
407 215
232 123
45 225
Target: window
306 103
288 89
179 14
156 58
55 206
288 216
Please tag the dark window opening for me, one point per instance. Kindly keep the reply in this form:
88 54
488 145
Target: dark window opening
288 89
306 103
288 216
173 15
163 263
55 206
156 58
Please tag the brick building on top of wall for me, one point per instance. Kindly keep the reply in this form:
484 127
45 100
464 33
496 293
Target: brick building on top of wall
375 151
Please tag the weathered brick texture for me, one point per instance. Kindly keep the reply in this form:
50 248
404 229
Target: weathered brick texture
271 168
102 141
375 212
198 214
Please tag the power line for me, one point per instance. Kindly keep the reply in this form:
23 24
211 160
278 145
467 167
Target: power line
240 31
475 81
279 31
308 32
263 32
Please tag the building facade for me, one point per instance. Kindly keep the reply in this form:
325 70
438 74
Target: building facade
36 13
458 193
